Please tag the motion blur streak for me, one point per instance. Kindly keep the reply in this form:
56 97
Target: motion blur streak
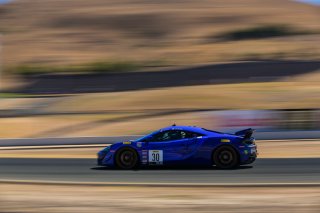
83 73
150 199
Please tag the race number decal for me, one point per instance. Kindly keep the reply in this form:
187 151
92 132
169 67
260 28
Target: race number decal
156 157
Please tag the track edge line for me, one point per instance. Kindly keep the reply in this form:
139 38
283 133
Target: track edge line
240 185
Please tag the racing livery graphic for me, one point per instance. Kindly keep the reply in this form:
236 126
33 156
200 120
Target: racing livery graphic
182 146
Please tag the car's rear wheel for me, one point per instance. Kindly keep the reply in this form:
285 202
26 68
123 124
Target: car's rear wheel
225 157
127 158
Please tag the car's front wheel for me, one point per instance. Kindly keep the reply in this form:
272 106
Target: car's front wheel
127 158
225 157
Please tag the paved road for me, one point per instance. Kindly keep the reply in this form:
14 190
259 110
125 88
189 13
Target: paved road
259 71
79 170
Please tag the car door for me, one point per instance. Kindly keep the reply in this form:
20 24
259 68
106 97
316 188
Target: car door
193 142
165 148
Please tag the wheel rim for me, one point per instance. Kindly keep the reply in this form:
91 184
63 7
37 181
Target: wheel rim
127 159
226 157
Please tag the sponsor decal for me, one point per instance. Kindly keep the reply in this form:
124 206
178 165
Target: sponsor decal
246 152
225 140
127 142
139 144
144 157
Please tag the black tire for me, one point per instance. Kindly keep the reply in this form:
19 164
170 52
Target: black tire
225 157
127 158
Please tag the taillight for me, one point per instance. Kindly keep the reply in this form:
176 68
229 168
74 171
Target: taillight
249 141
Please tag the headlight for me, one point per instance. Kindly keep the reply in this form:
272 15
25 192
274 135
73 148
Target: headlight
107 149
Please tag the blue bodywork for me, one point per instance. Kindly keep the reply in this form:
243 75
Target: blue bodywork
196 150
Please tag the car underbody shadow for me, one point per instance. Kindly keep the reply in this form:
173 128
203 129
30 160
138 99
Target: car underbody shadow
172 168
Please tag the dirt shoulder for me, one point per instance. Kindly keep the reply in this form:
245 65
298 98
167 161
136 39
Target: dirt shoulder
52 198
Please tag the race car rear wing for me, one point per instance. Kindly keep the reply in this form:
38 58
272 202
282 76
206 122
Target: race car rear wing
246 133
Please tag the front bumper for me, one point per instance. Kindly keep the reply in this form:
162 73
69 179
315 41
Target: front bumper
99 161
105 159
100 157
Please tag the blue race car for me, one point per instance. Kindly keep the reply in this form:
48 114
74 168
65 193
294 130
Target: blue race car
182 146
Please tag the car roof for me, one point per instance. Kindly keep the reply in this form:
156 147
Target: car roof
191 129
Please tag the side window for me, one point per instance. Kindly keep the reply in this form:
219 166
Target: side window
172 135
189 134
161 136
175 135
169 135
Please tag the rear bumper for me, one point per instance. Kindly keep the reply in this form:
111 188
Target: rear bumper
248 154
250 159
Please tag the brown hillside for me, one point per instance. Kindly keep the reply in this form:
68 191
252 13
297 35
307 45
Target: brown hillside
173 31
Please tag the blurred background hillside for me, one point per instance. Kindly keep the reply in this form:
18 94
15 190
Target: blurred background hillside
79 68
178 32
76 75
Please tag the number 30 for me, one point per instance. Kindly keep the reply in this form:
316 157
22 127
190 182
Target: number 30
155 157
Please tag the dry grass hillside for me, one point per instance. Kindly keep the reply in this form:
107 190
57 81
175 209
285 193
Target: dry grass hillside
175 32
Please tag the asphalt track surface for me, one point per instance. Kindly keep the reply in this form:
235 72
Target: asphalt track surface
263 171
251 71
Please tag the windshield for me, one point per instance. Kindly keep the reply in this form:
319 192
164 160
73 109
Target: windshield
144 138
